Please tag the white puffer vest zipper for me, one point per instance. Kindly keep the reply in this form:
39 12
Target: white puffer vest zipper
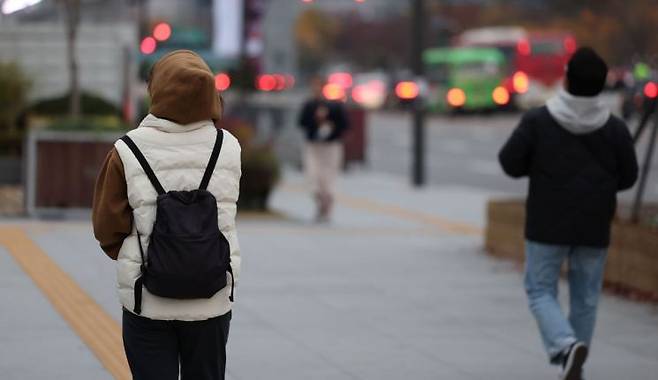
178 155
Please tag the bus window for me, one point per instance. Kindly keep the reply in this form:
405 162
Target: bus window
477 69
555 47
438 73
508 51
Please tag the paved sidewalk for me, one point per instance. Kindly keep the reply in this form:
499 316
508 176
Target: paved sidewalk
35 341
396 287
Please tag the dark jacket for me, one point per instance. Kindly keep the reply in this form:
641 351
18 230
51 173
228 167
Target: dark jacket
573 178
336 116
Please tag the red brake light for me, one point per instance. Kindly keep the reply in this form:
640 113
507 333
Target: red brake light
407 90
651 90
333 91
162 31
456 97
500 96
523 47
570 45
148 45
280 80
222 82
266 82
520 82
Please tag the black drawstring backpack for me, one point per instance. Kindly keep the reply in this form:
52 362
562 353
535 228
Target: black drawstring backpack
188 256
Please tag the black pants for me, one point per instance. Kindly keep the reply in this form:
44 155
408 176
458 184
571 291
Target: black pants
155 349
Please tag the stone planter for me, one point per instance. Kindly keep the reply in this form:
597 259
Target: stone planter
632 265
61 169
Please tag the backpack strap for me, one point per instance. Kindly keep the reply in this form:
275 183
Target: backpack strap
145 165
139 282
230 271
213 160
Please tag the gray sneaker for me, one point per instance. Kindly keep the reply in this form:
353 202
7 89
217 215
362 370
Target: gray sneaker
574 359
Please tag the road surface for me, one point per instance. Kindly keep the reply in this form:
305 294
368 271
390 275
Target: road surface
461 150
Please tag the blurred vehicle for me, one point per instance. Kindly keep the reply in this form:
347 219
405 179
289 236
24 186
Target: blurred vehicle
370 90
535 60
467 79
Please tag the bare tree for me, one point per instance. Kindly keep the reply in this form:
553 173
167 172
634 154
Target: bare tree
72 15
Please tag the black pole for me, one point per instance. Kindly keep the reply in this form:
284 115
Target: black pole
417 45
650 107
637 204
143 18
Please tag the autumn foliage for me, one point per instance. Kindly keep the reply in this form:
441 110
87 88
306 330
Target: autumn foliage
622 31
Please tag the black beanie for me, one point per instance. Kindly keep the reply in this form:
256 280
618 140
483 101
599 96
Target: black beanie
586 73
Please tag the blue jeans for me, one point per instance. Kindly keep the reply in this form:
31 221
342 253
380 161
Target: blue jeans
542 273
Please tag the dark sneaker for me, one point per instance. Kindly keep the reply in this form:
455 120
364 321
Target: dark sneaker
572 366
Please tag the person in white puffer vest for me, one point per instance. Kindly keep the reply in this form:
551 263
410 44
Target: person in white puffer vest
170 337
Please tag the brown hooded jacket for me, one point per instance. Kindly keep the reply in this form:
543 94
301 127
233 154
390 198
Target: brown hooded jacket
182 90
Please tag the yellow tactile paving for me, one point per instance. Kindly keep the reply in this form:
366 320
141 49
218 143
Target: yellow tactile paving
399 212
406 214
96 328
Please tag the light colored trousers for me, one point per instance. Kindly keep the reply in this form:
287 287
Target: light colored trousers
322 164
585 275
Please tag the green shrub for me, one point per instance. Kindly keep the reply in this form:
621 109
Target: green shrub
59 106
241 129
260 173
11 143
14 86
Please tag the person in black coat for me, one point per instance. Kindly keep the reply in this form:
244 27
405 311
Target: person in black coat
322 120
324 123
577 157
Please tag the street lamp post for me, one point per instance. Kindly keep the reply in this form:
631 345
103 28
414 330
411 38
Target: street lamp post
417 45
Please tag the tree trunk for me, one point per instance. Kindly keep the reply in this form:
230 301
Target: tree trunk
72 22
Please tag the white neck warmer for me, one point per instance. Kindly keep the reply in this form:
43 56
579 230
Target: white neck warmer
578 114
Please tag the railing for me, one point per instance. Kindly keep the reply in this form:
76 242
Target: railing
649 110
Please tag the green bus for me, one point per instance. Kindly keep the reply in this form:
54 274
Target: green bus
465 78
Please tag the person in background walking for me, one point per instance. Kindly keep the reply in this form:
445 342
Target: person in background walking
186 333
324 123
577 156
